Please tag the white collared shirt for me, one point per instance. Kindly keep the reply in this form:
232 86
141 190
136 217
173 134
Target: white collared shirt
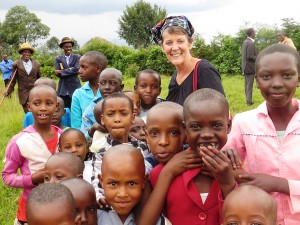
251 39
28 66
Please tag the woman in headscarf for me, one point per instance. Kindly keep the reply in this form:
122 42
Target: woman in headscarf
174 35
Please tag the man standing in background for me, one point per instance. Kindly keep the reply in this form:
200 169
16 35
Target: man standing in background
6 68
283 39
66 69
249 54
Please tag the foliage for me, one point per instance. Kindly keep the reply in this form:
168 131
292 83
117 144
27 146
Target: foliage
136 22
53 44
128 60
21 25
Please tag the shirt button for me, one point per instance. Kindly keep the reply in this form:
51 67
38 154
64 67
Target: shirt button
202 216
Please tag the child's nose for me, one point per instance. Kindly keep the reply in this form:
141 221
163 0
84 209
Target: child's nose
122 192
83 217
163 140
207 133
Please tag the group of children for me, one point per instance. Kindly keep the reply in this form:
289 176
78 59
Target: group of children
157 162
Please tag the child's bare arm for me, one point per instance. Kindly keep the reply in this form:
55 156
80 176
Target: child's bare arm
220 166
179 163
267 182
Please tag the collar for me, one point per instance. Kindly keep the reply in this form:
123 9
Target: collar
262 108
251 39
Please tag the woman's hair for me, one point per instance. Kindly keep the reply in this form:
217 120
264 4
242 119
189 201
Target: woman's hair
178 30
281 48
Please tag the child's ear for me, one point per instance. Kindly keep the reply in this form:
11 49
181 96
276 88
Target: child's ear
159 90
64 112
80 176
28 106
133 116
134 88
99 69
102 122
121 87
229 125
146 177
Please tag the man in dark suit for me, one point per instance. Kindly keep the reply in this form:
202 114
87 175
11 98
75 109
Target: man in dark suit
66 68
28 71
249 54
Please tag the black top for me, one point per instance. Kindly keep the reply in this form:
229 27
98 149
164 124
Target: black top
208 77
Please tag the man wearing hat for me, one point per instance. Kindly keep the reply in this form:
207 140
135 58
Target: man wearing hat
66 68
28 71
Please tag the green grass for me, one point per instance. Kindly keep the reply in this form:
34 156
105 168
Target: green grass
11 118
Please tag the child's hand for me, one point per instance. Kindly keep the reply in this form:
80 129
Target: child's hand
183 161
266 182
234 157
220 167
38 177
102 204
97 126
57 72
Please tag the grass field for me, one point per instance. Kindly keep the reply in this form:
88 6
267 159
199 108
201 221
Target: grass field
11 117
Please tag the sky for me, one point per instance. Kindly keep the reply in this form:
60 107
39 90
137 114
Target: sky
86 19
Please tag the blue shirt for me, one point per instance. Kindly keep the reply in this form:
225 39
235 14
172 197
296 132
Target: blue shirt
81 99
88 118
6 68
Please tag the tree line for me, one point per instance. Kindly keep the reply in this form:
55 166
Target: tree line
223 51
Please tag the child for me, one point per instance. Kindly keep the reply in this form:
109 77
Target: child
249 205
138 129
147 86
28 118
99 137
117 116
62 165
85 200
206 126
135 100
122 178
73 141
91 64
110 81
30 149
58 115
51 204
267 138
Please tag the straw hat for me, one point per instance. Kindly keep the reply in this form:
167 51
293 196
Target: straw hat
66 40
25 46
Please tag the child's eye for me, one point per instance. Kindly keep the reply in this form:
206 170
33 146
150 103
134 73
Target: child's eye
287 76
143 85
112 83
59 177
113 184
91 209
132 183
154 87
174 133
36 103
194 126
79 145
231 223
67 147
265 76
46 178
153 133
218 125
102 82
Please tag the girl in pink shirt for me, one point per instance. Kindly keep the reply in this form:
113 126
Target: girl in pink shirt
267 138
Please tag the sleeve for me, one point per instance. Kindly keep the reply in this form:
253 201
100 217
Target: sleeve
87 123
251 52
38 75
96 165
235 138
14 161
294 198
209 77
76 114
71 71
28 119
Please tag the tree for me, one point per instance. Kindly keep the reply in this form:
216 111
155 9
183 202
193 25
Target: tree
136 22
21 25
53 44
292 30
